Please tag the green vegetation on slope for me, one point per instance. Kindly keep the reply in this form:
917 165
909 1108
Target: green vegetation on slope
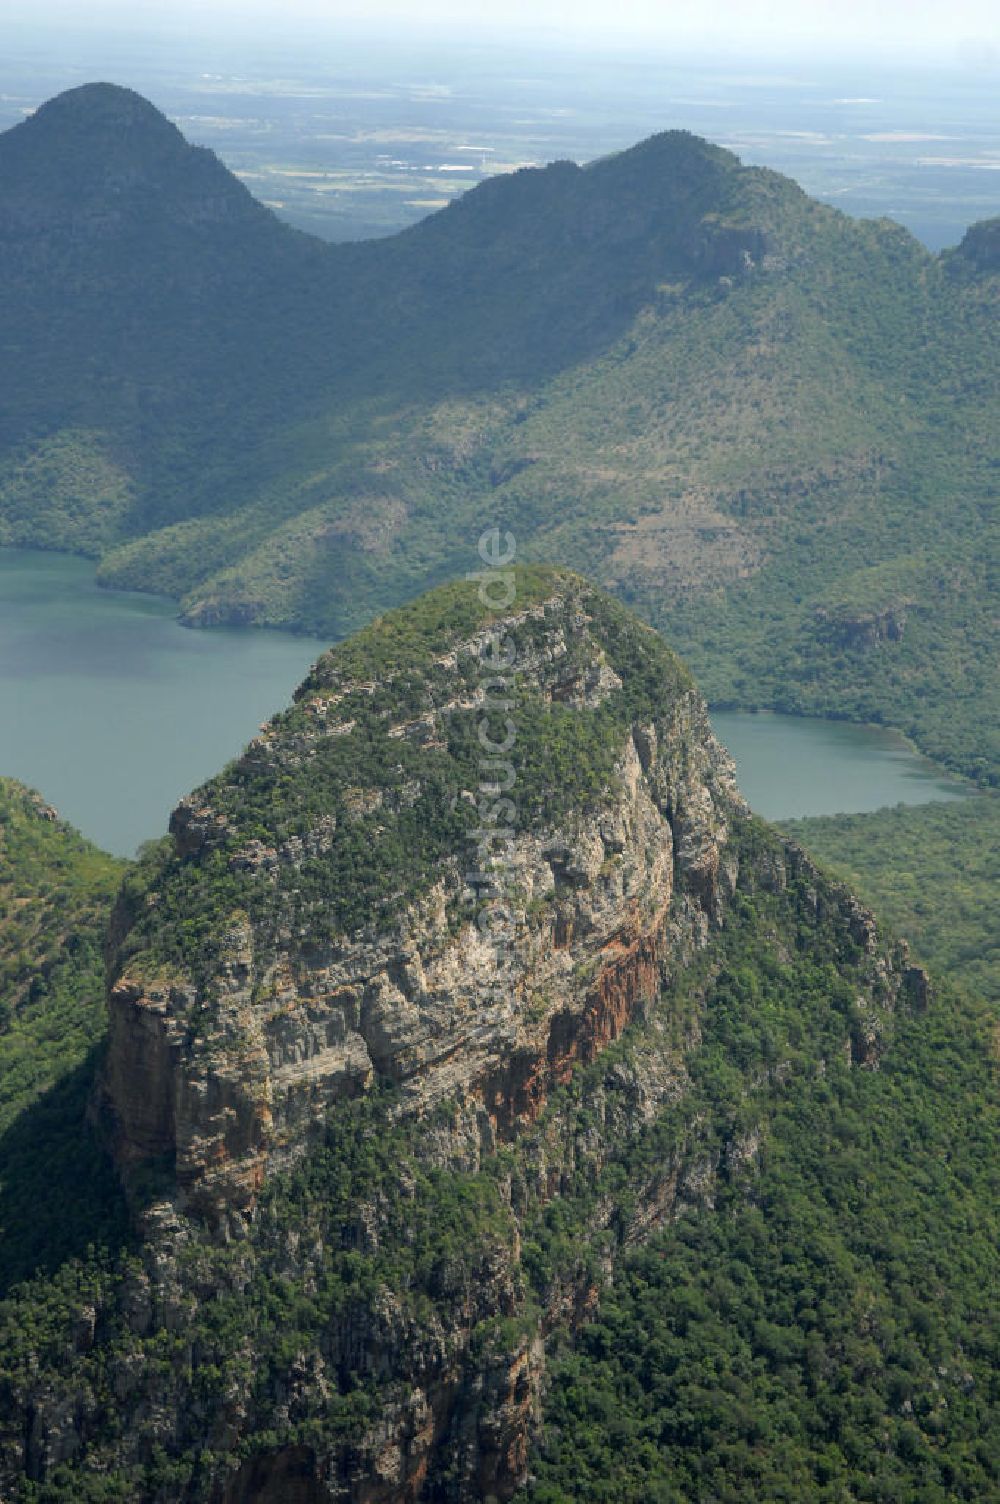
57 1190
374 1232
933 872
825 1329
56 891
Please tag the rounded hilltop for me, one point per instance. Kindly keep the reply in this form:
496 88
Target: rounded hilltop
412 637
104 161
102 106
433 622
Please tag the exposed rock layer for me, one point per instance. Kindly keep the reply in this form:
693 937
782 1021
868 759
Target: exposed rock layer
604 900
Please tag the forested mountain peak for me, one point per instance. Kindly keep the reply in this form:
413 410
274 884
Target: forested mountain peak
95 109
105 154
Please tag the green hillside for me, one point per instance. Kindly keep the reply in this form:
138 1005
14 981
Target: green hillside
933 872
768 427
57 1192
828 1332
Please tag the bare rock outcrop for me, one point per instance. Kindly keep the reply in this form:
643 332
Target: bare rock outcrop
226 1072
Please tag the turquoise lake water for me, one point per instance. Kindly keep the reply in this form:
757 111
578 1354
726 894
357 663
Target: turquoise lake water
113 711
789 767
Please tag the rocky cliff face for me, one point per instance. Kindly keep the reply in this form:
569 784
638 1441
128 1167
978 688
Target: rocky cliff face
980 247
227 1072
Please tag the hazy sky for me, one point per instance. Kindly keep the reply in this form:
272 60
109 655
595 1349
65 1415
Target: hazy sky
948 30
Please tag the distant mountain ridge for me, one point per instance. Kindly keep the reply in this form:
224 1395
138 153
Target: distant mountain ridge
768 426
